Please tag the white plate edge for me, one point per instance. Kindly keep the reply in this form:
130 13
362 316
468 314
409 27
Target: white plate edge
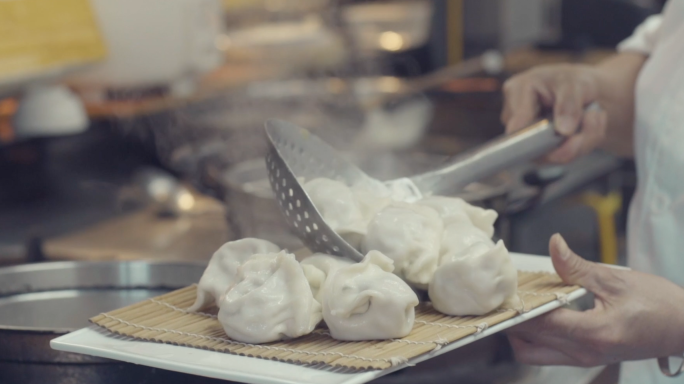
62 344
548 307
533 263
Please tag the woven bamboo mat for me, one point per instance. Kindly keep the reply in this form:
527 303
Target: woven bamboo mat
164 319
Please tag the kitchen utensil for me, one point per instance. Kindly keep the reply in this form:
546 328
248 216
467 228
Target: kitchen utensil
39 302
253 209
296 155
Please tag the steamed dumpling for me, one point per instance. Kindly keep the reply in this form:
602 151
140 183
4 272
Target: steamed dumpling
270 301
474 282
347 210
371 196
452 209
337 204
409 234
365 301
222 269
318 267
459 236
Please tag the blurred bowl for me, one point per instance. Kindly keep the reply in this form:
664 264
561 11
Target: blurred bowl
296 45
394 26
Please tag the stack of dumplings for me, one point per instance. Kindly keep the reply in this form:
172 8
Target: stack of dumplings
410 234
223 268
439 244
270 300
265 295
318 267
366 301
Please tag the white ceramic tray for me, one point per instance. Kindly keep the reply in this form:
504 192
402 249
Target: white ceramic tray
97 342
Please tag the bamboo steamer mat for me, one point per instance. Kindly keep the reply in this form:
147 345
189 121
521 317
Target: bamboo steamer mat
164 319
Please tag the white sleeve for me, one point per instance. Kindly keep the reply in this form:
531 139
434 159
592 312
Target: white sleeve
644 38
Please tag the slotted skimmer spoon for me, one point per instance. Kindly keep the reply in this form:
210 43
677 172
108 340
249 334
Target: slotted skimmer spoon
296 155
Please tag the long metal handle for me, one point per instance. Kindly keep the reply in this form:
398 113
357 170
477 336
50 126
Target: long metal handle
492 157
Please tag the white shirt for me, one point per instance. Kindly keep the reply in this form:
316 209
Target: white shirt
656 220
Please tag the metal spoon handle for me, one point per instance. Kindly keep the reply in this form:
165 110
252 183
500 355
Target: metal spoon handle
492 157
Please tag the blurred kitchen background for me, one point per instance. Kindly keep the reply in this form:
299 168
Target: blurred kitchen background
133 130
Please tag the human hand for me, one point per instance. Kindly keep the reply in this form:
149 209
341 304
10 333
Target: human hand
565 89
636 316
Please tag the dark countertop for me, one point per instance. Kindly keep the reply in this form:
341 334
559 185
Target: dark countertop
58 185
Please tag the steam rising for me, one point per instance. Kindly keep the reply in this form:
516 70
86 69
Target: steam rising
327 95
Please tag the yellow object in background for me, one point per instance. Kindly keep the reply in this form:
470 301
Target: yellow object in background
39 35
230 5
606 207
8 107
454 31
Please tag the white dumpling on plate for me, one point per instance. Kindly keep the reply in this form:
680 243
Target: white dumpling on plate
337 204
474 282
371 196
318 267
366 301
453 209
222 269
270 301
409 234
460 236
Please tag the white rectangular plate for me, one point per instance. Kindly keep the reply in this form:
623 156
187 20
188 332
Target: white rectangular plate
98 342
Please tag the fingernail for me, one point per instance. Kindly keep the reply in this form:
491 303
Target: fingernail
565 125
562 247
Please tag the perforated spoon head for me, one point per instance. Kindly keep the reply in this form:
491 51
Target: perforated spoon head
296 156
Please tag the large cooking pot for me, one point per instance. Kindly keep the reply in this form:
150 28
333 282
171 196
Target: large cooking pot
39 302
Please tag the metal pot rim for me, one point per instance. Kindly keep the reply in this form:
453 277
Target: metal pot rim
85 287
36 330
52 265
13 290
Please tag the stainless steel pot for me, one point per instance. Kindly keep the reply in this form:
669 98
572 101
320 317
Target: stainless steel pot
389 26
252 208
39 302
